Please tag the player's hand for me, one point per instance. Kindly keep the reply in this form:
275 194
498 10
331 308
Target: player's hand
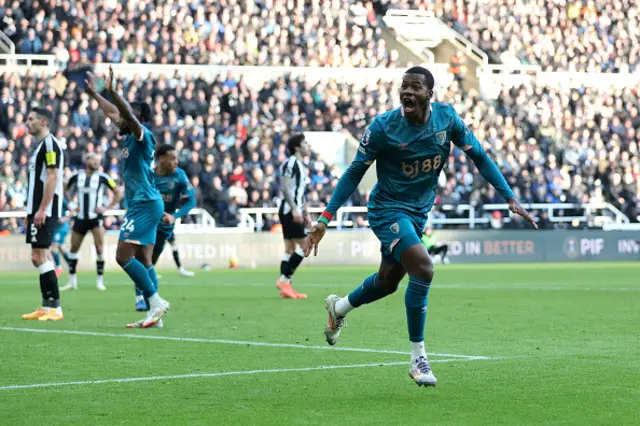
297 217
169 219
516 208
313 239
90 82
110 80
100 210
39 218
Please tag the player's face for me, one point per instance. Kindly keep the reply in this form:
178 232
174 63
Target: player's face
170 161
35 123
414 94
93 162
305 148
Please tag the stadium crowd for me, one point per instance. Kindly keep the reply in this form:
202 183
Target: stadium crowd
558 35
553 147
231 32
567 35
570 146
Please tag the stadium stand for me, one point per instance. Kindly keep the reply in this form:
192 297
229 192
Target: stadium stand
572 145
554 146
233 32
579 35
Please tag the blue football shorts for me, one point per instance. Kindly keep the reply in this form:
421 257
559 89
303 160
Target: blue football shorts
141 222
397 230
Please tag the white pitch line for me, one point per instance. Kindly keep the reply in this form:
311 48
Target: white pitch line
543 286
193 376
229 342
229 373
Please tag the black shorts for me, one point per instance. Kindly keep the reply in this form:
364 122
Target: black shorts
82 226
290 229
41 237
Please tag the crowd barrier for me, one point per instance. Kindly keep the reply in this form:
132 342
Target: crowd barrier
360 247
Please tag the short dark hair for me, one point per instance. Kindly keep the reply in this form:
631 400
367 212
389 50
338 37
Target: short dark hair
294 142
425 72
43 112
145 111
164 149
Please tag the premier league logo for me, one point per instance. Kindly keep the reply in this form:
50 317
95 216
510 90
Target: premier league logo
365 137
441 137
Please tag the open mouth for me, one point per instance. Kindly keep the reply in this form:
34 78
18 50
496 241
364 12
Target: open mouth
408 103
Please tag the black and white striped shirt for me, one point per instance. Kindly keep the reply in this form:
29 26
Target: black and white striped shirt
47 154
294 169
90 190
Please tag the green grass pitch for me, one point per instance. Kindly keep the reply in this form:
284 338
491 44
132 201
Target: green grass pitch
515 344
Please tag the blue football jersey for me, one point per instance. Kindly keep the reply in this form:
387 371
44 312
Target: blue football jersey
409 158
138 176
173 188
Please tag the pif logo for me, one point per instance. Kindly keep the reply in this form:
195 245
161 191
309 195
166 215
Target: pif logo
427 165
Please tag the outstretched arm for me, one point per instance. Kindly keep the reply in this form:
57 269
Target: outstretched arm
465 140
129 119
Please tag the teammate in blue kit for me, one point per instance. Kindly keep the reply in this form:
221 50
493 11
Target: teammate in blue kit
411 145
145 207
177 191
59 237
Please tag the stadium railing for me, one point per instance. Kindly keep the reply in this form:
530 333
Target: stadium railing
256 76
21 63
608 213
422 27
204 222
512 75
6 45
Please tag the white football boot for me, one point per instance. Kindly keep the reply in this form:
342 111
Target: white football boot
185 273
420 372
156 313
100 283
335 323
72 284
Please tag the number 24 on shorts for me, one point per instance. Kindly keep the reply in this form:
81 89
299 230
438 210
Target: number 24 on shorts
127 225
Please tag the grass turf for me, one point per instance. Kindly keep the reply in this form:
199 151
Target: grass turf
562 342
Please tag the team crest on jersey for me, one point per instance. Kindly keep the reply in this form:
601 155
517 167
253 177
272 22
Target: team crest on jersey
441 137
395 228
125 153
365 137
171 185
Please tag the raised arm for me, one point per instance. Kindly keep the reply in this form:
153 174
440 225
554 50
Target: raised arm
464 139
109 109
129 119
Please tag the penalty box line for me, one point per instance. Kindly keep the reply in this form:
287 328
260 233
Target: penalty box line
217 374
234 342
